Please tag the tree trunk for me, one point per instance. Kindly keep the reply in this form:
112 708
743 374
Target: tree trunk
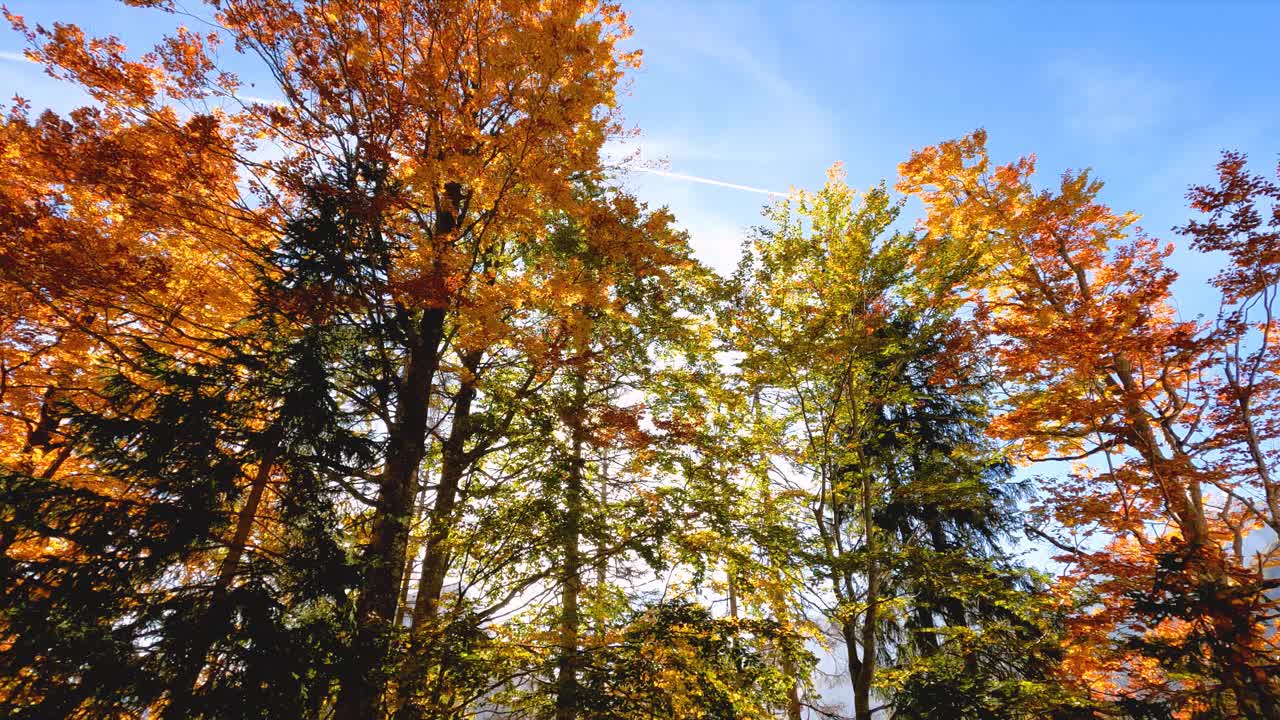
415 675
733 593
364 680
866 672
571 580
453 465
602 561
793 690
411 555
1185 500
861 701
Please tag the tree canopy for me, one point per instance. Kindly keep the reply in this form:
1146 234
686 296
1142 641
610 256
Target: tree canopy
388 400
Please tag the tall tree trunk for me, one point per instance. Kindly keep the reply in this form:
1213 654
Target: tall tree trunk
571 579
853 656
453 466
601 560
866 672
364 679
793 691
733 593
411 556
416 674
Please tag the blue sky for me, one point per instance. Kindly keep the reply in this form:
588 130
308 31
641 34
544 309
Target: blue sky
769 94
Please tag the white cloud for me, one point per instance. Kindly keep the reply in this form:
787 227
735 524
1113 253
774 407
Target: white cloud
261 100
1111 102
716 241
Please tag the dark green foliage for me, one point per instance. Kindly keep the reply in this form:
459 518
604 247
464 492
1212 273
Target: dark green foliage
976 639
94 614
130 604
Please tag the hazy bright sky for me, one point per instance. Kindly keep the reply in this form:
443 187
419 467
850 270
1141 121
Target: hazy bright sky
769 94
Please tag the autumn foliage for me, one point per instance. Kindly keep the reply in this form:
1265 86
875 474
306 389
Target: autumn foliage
1104 374
377 396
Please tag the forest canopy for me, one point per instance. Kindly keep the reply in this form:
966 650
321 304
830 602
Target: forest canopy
386 399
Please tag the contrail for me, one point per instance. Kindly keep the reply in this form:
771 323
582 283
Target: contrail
14 56
707 181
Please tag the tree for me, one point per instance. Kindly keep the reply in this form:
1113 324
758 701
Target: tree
120 225
412 135
680 660
380 400
133 580
858 346
1242 350
1101 370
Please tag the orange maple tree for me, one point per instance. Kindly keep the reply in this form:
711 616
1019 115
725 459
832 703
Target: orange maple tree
1101 372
